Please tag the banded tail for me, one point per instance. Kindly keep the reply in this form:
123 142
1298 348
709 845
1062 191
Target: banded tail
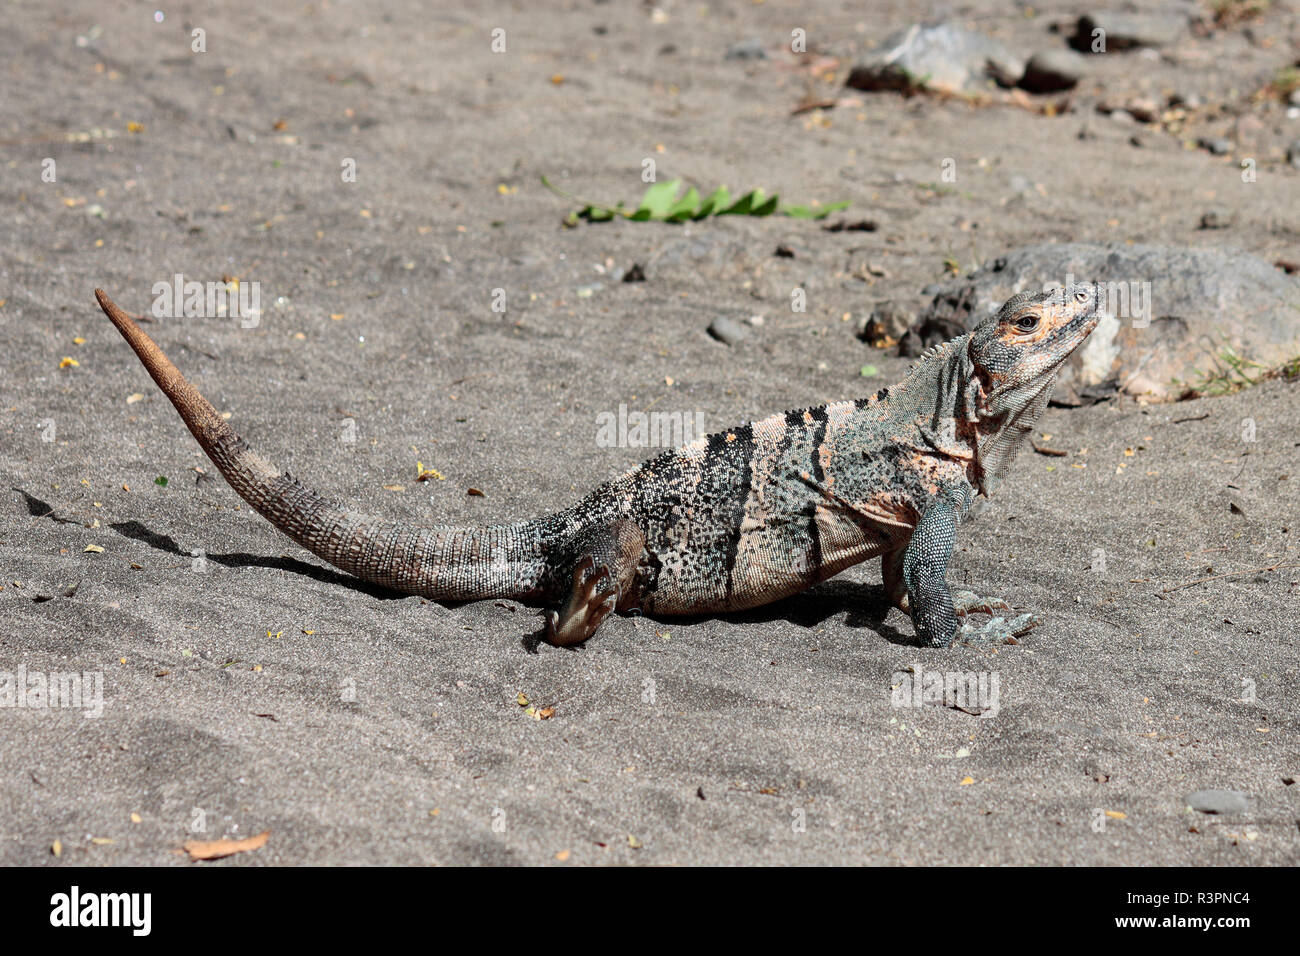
445 563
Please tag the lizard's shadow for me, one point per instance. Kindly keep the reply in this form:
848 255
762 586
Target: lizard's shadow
240 559
864 606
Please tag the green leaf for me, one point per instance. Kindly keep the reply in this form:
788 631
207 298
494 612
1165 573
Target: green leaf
814 212
743 205
685 207
658 199
716 201
160 481
868 370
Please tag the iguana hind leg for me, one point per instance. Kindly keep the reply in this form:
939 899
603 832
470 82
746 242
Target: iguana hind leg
603 577
891 570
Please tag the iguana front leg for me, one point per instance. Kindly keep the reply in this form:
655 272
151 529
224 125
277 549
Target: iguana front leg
935 614
603 575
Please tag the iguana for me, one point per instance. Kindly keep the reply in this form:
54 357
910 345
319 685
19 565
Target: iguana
730 521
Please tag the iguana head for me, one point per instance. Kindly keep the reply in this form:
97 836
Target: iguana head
1014 356
1017 352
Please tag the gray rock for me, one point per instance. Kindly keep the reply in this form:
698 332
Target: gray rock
1294 98
941 57
1218 145
1166 302
747 50
1050 71
1218 801
1124 31
728 331
1123 117
1293 154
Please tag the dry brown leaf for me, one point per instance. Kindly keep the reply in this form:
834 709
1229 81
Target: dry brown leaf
216 849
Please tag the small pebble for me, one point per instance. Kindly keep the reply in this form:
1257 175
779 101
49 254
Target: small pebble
747 50
727 331
1217 219
1218 801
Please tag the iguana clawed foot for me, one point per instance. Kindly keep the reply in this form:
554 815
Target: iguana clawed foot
999 630
590 602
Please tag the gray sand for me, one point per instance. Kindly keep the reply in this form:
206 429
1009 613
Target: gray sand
392 733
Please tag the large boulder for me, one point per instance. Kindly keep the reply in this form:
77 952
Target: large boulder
1172 310
940 57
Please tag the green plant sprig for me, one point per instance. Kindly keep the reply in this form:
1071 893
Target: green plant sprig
661 203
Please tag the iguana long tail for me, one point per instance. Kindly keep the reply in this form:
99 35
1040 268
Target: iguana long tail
443 563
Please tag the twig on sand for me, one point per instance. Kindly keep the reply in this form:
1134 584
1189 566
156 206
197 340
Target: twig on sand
1232 574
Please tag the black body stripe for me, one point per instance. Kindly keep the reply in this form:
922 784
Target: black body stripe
742 447
820 421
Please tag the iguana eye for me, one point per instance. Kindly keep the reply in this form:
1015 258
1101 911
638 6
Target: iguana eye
1027 323
1081 296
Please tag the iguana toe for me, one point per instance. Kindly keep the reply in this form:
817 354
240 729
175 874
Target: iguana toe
968 602
590 602
999 630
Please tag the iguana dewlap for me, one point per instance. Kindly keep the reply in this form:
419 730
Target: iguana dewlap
737 519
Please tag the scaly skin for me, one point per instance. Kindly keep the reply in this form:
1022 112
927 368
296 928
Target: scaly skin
731 521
